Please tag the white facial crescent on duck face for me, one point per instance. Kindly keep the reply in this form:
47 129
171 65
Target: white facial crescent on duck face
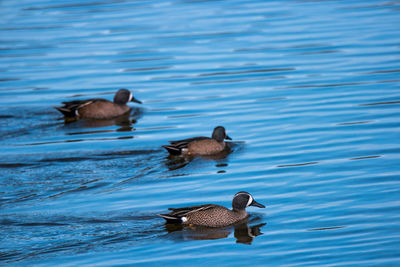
250 200
130 97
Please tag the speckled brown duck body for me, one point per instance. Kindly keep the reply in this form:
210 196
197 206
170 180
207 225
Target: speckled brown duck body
212 215
201 145
98 108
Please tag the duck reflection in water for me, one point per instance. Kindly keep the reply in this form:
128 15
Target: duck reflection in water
125 123
244 231
174 162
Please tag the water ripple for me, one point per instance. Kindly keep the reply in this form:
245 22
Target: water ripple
308 90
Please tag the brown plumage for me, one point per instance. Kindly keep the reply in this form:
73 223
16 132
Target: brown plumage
200 145
98 108
212 215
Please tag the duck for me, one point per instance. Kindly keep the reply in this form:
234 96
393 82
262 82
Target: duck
201 146
212 215
98 108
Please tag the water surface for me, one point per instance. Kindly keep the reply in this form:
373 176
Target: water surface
308 90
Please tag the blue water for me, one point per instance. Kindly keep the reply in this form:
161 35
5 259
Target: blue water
309 91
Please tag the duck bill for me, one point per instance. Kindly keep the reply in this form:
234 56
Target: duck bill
136 101
256 204
228 138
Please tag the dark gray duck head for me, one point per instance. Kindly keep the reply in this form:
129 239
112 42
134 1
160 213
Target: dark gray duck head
219 134
243 199
123 96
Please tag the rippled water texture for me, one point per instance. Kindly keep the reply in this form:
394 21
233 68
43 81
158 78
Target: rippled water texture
308 91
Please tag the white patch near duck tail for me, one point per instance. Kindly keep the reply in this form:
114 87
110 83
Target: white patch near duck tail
81 106
184 219
250 200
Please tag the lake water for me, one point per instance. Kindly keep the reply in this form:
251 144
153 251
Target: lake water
309 91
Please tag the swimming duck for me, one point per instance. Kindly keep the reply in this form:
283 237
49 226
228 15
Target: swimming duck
200 145
213 215
98 108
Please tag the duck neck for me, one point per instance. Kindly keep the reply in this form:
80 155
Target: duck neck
221 142
240 211
119 102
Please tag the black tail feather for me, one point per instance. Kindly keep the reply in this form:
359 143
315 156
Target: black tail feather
170 219
173 150
66 112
